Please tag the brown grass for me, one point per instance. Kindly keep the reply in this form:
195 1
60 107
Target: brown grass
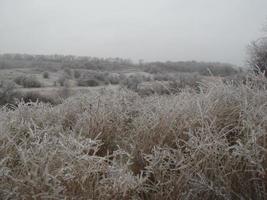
207 144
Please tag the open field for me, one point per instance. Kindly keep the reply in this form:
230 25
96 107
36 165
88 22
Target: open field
199 137
75 133
54 78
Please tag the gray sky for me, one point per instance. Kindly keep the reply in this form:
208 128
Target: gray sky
203 30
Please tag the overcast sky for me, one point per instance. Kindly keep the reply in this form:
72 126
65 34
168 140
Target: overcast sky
202 30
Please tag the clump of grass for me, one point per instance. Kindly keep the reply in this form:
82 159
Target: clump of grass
206 144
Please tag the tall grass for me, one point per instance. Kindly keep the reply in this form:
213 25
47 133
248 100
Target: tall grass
206 144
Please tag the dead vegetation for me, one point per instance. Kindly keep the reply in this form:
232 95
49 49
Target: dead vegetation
205 144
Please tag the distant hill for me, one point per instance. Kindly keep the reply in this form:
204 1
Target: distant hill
55 62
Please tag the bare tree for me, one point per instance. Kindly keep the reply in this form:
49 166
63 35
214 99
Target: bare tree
258 54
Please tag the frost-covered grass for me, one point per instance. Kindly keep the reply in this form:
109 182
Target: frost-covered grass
205 144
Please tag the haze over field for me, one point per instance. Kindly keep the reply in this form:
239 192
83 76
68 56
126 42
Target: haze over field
205 30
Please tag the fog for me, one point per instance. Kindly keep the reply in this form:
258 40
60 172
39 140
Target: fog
202 30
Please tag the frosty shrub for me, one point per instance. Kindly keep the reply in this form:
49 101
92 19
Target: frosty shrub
206 144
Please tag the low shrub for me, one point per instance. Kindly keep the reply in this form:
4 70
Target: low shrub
77 74
153 88
63 80
183 81
19 79
163 77
113 79
7 93
101 76
88 82
46 75
65 91
68 72
28 81
169 84
132 81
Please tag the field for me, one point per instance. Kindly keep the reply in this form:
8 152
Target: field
132 133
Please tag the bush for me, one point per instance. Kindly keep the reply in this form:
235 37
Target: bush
94 78
113 79
28 81
131 82
46 75
163 77
152 88
19 79
183 81
61 80
65 91
88 82
77 74
7 93
101 76
258 56
68 73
